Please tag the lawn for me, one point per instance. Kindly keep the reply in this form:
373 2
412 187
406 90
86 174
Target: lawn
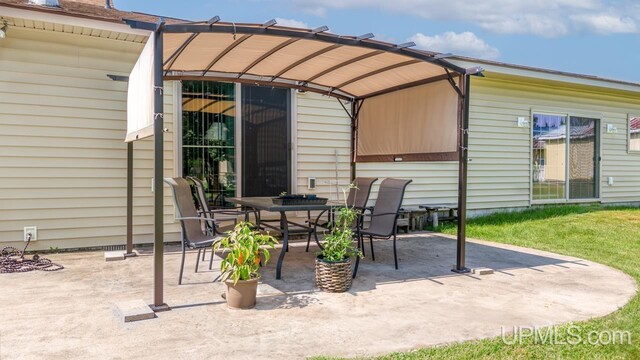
609 236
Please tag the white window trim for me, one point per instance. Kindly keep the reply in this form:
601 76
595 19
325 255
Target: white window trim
238 138
294 141
177 128
629 151
568 115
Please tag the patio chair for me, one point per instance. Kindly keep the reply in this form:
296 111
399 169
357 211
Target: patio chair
193 236
358 197
212 225
204 210
384 216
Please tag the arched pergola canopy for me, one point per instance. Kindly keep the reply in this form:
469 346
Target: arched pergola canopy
315 60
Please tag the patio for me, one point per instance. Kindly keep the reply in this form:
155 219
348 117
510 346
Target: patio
421 304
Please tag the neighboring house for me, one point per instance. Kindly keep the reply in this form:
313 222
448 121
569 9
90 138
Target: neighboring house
63 123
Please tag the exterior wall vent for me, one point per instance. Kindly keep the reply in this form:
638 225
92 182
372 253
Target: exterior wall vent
48 3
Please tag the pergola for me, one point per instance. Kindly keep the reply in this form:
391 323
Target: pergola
405 104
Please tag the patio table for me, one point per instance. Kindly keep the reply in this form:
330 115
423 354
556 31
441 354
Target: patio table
266 204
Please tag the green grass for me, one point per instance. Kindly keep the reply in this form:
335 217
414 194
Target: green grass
609 236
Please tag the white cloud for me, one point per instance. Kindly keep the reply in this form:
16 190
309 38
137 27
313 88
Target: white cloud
548 18
291 23
606 24
466 43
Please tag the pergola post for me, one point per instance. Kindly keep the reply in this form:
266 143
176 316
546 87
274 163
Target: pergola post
352 155
463 153
158 173
129 248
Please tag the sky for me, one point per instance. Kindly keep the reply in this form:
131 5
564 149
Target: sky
593 37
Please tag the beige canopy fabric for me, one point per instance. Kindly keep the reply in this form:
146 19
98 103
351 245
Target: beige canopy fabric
140 96
322 62
414 124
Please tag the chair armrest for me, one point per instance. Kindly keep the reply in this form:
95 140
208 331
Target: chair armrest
226 212
195 218
393 213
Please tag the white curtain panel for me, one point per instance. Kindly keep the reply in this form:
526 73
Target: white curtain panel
140 95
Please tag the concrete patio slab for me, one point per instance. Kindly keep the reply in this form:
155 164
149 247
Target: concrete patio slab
134 310
70 313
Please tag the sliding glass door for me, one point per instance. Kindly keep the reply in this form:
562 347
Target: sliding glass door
209 128
565 167
266 139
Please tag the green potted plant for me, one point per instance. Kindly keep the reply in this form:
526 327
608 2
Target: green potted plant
247 249
333 262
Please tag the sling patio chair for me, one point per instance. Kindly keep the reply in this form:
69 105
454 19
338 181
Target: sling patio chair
357 198
193 235
212 225
384 216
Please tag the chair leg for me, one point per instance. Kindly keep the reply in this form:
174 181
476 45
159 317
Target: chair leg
373 256
361 240
308 241
198 259
360 246
395 254
181 265
213 253
204 253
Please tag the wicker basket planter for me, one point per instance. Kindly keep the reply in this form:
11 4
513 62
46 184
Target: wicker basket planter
333 276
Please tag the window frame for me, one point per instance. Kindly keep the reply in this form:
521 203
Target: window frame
631 116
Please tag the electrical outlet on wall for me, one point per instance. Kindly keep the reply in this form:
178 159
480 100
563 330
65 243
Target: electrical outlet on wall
30 230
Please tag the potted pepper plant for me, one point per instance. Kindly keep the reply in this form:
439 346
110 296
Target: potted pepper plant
247 249
333 262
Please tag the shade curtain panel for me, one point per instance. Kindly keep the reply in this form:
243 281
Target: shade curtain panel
140 95
414 124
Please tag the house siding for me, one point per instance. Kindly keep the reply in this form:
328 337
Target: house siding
63 158
501 151
323 131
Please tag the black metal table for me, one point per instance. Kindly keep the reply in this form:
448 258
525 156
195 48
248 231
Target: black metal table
266 204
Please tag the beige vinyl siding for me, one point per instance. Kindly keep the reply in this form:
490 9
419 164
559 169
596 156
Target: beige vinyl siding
433 182
501 151
323 128
62 153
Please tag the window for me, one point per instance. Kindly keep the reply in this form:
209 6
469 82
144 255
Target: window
208 137
564 167
634 133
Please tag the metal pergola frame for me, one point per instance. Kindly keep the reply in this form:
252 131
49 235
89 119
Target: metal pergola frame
452 71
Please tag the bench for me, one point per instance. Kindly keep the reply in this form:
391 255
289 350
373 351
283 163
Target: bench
434 209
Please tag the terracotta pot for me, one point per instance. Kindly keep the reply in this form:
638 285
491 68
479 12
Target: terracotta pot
333 276
242 295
